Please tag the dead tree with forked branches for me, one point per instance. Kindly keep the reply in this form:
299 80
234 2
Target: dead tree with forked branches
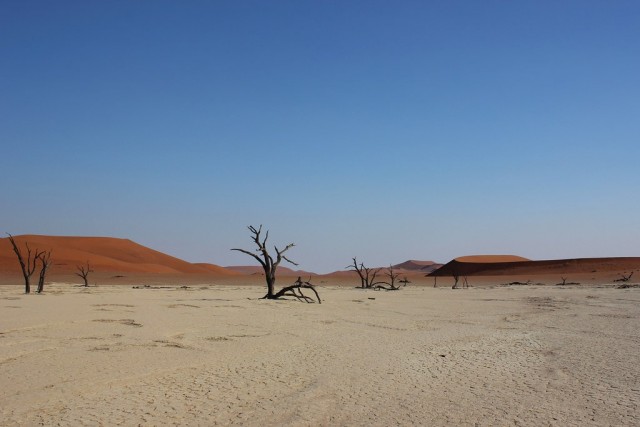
269 265
391 284
28 264
83 272
367 275
45 263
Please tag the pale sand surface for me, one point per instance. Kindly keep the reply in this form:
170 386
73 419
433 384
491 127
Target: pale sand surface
521 355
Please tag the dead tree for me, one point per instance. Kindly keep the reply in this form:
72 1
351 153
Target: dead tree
367 275
28 264
391 284
83 272
405 281
45 263
295 290
456 277
269 265
564 282
358 270
624 278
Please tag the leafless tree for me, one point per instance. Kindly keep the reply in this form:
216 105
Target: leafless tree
391 284
295 290
83 272
367 275
28 264
564 282
45 263
269 265
624 278
405 281
456 277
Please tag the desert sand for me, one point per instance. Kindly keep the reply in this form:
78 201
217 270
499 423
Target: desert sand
218 355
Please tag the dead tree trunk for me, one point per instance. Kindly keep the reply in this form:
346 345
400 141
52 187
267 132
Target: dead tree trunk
45 263
27 265
269 265
83 272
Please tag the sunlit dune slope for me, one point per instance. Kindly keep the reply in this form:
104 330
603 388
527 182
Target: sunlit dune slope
103 254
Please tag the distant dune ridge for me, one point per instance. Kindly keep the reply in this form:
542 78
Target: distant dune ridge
114 258
421 266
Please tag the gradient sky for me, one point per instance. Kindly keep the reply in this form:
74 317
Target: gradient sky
380 129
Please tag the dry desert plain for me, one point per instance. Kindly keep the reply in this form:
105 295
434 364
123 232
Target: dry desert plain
161 341
218 355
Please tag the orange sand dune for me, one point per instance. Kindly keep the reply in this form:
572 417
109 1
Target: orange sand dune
105 254
592 266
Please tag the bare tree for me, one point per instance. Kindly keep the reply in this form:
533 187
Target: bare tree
391 284
405 281
295 290
28 264
624 278
45 263
269 265
367 275
83 271
564 282
456 277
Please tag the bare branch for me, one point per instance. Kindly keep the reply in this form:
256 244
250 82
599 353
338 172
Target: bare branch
250 254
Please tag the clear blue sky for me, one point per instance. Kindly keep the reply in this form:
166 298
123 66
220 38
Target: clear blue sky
380 129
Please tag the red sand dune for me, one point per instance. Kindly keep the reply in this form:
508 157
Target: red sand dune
105 254
482 266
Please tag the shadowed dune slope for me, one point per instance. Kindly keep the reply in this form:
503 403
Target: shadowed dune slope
103 253
516 268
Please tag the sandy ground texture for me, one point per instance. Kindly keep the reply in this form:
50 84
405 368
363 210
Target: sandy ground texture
520 355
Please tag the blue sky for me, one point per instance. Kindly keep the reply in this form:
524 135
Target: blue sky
378 129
